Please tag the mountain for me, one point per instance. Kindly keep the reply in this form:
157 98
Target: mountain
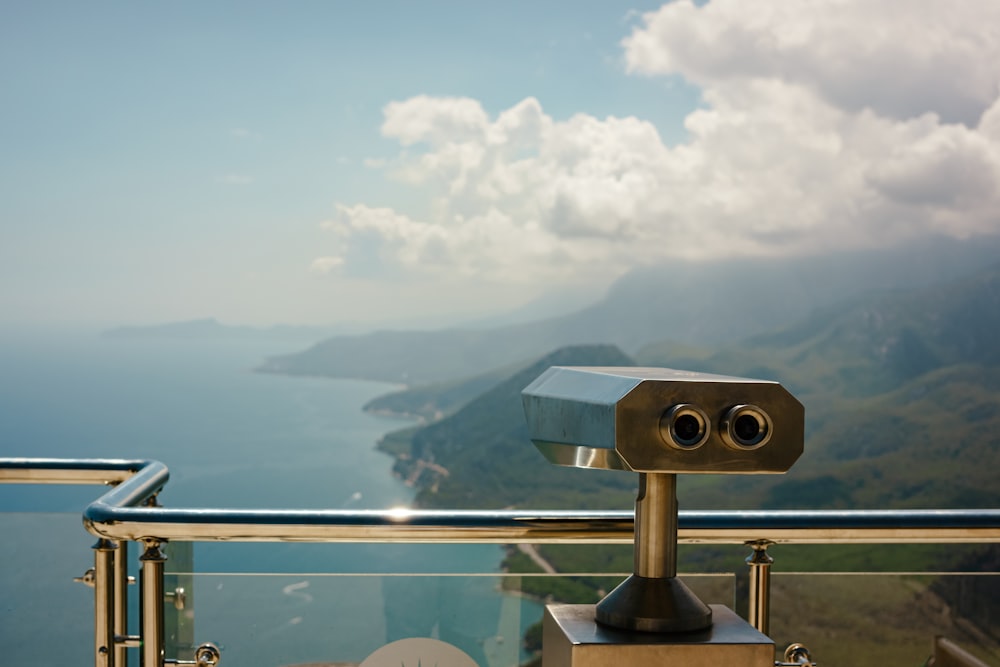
481 455
212 329
902 396
714 302
417 357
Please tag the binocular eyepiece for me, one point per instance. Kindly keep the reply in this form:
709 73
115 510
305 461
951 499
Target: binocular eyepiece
743 427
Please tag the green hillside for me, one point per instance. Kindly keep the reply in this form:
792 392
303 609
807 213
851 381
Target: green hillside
902 396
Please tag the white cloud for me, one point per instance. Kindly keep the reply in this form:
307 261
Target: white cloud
489 244
434 120
901 59
824 125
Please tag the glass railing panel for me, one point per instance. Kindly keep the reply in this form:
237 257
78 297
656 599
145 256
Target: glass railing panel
274 620
179 603
886 619
348 558
46 618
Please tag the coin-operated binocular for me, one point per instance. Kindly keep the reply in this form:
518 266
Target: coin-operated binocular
660 422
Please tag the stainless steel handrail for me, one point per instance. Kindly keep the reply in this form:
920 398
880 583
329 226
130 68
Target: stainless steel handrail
128 512
120 515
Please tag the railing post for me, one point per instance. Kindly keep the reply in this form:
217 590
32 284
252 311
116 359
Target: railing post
121 604
151 604
104 592
759 607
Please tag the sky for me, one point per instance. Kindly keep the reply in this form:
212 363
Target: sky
429 162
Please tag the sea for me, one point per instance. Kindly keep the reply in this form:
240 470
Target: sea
231 437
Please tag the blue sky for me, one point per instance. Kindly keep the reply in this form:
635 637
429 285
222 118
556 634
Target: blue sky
331 162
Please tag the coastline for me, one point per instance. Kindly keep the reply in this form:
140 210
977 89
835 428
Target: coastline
389 413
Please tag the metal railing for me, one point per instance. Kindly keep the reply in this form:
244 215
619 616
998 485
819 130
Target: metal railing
128 512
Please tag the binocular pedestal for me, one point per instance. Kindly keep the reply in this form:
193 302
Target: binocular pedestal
571 637
652 618
653 599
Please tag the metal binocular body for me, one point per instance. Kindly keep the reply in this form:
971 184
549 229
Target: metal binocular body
663 420
659 422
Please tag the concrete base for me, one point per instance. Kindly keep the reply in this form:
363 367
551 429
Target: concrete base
572 638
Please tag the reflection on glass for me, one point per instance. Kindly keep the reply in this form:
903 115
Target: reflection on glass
273 620
291 619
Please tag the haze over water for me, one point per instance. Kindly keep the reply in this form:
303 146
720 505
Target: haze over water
231 438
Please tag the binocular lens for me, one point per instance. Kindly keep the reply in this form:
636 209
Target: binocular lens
746 427
687 428
684 426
